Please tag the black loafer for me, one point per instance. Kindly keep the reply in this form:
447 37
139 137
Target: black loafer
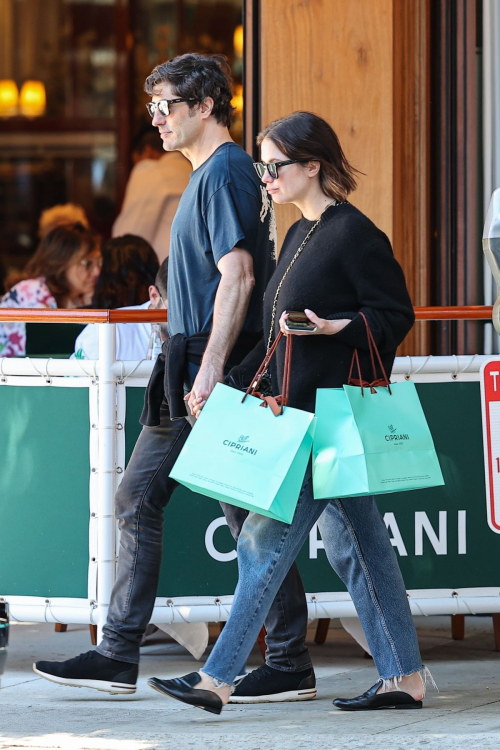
370 701
182 689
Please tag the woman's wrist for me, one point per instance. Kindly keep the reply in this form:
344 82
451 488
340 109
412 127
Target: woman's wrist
334 326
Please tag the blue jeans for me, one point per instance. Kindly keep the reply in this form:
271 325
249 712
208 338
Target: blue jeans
358 549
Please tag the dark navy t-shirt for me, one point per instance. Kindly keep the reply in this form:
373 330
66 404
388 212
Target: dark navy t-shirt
224 206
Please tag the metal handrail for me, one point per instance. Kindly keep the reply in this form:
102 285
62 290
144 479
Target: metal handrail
472 312
35 315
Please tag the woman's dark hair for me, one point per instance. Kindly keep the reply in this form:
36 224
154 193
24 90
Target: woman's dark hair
306 137
129 268
55 254
195 77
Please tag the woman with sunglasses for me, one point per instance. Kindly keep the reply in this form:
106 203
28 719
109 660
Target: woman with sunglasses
337 267
61 274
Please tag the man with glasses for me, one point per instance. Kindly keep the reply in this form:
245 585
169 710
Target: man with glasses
222 253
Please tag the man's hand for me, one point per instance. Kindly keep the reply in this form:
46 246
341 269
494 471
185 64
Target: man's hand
230 308
206 380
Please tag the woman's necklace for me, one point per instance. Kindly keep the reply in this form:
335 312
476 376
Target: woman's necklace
302 246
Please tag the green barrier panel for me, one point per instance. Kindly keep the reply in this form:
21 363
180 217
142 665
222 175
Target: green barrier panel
44 491
465 550
441 535
466 559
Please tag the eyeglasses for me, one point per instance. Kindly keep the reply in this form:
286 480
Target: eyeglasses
272 167
164 106
89 264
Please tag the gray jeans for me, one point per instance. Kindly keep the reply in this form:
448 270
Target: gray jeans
140 501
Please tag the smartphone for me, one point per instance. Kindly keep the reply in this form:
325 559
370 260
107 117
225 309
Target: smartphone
298 321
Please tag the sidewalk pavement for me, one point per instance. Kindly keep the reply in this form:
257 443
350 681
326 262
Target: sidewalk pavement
465 713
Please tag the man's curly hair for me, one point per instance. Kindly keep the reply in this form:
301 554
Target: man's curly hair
196 77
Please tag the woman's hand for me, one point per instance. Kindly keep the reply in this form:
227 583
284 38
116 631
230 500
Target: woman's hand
323 327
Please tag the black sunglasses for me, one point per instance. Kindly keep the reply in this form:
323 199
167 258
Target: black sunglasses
164 106
272 167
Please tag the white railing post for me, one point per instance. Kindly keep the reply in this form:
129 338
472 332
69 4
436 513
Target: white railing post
106 535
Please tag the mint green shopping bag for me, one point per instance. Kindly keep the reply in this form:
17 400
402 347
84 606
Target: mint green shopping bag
372 439
372 444
250 453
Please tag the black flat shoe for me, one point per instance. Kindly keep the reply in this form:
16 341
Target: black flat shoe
182 689
371 701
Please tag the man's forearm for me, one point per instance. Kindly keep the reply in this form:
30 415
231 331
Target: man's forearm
230 309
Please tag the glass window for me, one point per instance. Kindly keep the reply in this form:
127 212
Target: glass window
165 28
63 51
58 139
67 116
63 167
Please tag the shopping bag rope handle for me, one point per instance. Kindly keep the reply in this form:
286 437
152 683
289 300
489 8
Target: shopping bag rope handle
276 403
373 349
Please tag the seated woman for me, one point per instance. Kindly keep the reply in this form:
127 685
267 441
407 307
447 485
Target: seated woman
337 267
129 279
61 274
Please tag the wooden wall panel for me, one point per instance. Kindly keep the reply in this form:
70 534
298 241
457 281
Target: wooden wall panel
364 66
334 57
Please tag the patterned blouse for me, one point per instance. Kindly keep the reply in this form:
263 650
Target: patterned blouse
28 293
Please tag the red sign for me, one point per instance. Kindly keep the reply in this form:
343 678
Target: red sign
490 403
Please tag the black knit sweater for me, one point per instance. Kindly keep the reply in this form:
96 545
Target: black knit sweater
347 266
